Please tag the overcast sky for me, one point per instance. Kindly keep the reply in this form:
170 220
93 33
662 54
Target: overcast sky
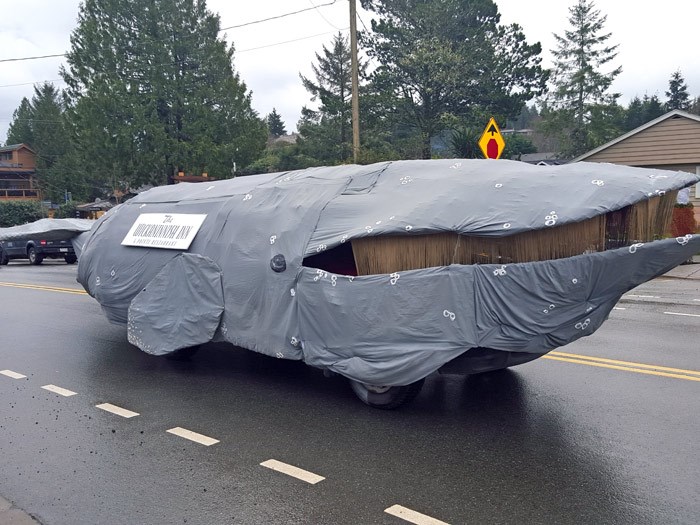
655 40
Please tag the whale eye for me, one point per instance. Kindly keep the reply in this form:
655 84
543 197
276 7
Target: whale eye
278 263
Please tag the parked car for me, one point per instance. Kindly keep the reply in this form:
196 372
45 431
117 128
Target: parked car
36 250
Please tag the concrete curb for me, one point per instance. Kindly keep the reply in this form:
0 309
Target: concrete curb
685 271
11 515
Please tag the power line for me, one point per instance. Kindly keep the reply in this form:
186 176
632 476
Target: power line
321 15
30 58
177 62
362 22
21 59
278 16
32 120
30 83
288 41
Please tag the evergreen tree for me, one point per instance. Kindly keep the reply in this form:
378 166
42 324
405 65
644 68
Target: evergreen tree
633 114
677 93
607 122
653 108
449 63
275 126
525 120
152 92
640 111
327 132
517 145
40 125
20 130
695 106
579 83
49 138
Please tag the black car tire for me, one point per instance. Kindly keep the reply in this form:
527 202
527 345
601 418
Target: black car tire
386 397
70 258
4 259
34 258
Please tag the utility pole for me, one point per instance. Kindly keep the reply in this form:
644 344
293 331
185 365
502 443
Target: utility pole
355 83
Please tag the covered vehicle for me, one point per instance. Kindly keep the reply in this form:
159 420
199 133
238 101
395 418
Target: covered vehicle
38 240
388 272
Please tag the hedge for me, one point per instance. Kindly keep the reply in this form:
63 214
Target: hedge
13 213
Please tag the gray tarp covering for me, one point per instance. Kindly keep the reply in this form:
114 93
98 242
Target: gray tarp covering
48 229
79 241
160 321
379 329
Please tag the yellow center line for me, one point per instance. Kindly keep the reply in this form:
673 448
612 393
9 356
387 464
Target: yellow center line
75 291
625 363
623 368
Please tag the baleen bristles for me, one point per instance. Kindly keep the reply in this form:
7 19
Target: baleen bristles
642 222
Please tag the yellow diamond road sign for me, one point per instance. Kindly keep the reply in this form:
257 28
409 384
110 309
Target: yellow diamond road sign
491 141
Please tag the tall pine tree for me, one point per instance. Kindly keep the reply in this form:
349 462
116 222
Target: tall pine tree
20 130
580 83
275 126
152 92
40 125
677 93
327 131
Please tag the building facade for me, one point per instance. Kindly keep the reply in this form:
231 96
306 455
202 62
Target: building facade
18 173
670 142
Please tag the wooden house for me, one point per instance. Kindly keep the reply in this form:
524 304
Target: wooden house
18 173
670 142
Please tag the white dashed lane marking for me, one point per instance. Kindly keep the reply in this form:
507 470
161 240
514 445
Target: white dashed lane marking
60 391
619 308
686 315
193 436
13 375
290 470
412 516
114 409
643 296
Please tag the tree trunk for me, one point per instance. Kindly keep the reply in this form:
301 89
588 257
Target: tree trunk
427 151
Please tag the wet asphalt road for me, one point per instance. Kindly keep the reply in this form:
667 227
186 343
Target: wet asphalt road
551 441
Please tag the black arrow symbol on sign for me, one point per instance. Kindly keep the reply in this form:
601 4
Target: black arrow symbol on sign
492 130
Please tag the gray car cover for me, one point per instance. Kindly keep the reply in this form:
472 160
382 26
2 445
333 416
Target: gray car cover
242 278
48 229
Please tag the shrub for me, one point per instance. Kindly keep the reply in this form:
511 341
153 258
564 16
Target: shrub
66 211
13 213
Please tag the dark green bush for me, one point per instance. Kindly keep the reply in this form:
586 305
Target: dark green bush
13 213
66 211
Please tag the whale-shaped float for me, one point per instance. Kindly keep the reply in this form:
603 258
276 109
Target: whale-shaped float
389 272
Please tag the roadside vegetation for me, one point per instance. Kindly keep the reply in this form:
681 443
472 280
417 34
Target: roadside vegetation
152 91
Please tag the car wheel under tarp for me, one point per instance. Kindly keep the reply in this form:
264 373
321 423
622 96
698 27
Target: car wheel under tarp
70 258
386 397
180 308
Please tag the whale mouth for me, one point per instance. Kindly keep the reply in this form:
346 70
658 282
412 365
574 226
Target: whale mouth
644 221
